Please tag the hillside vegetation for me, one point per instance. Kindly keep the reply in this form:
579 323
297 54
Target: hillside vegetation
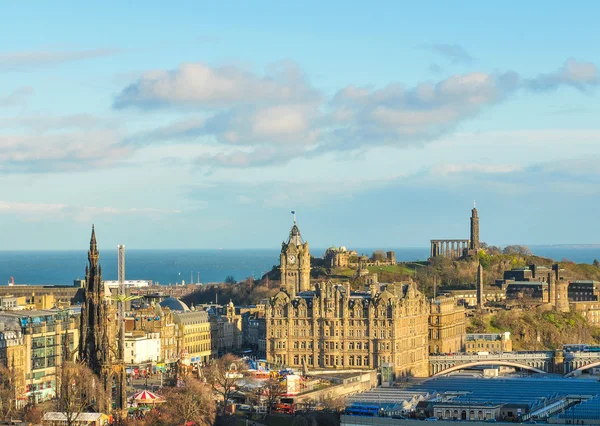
537 328
247 292
451 274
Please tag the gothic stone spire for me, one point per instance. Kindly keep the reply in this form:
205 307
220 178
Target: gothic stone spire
94 332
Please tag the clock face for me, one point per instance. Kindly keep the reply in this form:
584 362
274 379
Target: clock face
292 259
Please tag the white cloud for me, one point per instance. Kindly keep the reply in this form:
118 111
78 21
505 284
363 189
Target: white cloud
27 60
580 75
83 213
452 52
200 85
405 116
452 168
44 143
62 151
16 97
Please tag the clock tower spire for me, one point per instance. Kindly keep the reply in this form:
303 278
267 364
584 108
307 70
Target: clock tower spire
294 262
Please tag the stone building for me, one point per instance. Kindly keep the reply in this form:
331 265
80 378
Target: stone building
459 248
256 332
584 291
390 257
488 342
194 337
156 320
540 284
337 257
469 297
12 357
447 325
142 349
35 347
589 310
62 295
294 263
331 327
254 328
228 326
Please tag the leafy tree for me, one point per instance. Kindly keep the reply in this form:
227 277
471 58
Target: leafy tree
229 279
378 255
596 263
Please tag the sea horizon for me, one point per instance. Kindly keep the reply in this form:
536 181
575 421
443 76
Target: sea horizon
171 266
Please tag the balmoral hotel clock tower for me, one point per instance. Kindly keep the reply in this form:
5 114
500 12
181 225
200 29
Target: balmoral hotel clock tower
294 263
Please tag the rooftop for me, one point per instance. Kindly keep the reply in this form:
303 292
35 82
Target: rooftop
174 304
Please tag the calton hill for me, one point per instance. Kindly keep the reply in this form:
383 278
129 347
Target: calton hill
532 327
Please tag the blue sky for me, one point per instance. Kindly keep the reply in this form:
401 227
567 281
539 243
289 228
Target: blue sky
203 125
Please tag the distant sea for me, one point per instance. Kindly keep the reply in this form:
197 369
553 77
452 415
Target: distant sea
205 266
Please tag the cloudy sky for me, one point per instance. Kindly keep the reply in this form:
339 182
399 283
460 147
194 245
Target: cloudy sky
196 125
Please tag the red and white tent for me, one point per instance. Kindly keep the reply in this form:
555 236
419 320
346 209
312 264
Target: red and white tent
147 397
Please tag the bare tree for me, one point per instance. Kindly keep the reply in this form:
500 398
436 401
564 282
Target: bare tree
7 393
517 249
223 374
271 390
78 389
333 404
191 403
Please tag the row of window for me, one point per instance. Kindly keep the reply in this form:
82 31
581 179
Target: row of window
338 360
382 346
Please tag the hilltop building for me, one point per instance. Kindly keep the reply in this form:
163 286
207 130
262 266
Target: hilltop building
459 248
338 257
536 284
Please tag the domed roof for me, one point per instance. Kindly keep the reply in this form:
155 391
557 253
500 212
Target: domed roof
174 304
